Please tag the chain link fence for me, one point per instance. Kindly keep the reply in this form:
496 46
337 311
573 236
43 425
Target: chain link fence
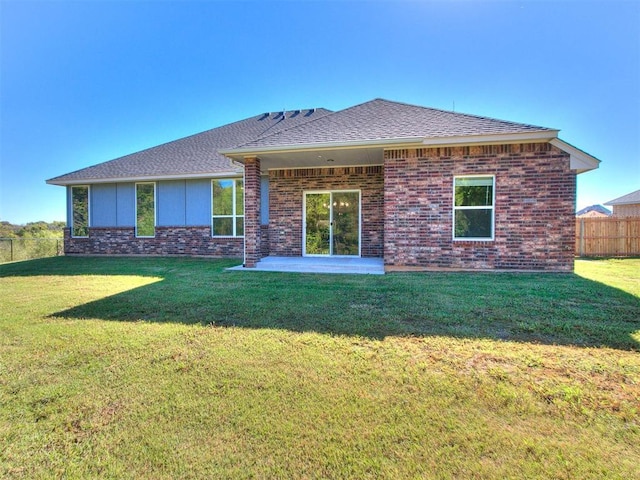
15 249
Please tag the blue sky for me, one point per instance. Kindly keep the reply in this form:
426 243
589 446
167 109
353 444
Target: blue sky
87 81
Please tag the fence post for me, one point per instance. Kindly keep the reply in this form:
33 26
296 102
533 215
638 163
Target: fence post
11 243
581 237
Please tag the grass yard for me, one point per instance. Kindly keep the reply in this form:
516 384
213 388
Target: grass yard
175 368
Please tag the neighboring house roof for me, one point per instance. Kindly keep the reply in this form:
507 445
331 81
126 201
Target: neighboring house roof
593 210
628 199
390 122
193 156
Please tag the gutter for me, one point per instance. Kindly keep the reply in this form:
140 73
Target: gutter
402 142
319 146
149 178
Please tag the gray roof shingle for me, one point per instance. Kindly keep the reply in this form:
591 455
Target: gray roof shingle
199 154
594 208
381 119
628 199
194 155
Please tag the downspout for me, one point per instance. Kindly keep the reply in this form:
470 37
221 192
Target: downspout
244 237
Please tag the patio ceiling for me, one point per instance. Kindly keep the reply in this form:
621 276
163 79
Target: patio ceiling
322 158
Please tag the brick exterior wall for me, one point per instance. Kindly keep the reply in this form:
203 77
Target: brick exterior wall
286 189
168 241
407 212
534 208
253 236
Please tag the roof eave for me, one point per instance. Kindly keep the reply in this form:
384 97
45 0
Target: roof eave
241 153
579 160
140 178
615 204
403 142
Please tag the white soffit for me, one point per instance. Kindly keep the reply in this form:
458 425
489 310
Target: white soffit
579 161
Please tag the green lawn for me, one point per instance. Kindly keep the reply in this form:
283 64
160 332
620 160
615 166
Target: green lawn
175 368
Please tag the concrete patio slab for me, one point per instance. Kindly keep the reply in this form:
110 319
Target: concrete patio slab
371 266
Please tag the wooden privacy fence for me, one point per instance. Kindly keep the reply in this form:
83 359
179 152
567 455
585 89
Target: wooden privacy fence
608 237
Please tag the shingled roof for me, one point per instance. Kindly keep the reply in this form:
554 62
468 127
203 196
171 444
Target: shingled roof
376 123
193 156
380 120
628 199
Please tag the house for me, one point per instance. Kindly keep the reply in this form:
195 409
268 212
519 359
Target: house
415 186
593 211
627 205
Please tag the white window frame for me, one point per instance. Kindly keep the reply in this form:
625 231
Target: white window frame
491 207
155 209
234 215
88 187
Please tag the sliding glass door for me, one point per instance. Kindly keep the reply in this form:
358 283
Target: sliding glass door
332 223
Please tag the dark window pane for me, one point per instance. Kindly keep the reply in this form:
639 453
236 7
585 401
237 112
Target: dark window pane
474 196
145 210
223 226
240 226
473 223
80 208
318 219
223 197
346 223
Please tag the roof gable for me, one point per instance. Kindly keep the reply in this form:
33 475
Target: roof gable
598 209
380 120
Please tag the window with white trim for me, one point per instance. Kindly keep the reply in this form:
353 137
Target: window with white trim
473 207
145 209
227 207
80 211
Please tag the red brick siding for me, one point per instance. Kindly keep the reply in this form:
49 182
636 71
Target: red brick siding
534 208
252 247
168 241
286 189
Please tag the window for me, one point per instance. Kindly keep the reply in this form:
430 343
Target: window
473 208
80 211
145 209
228 208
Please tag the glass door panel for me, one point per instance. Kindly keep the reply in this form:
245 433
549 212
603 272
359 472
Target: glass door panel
318 224
332 223
346 223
